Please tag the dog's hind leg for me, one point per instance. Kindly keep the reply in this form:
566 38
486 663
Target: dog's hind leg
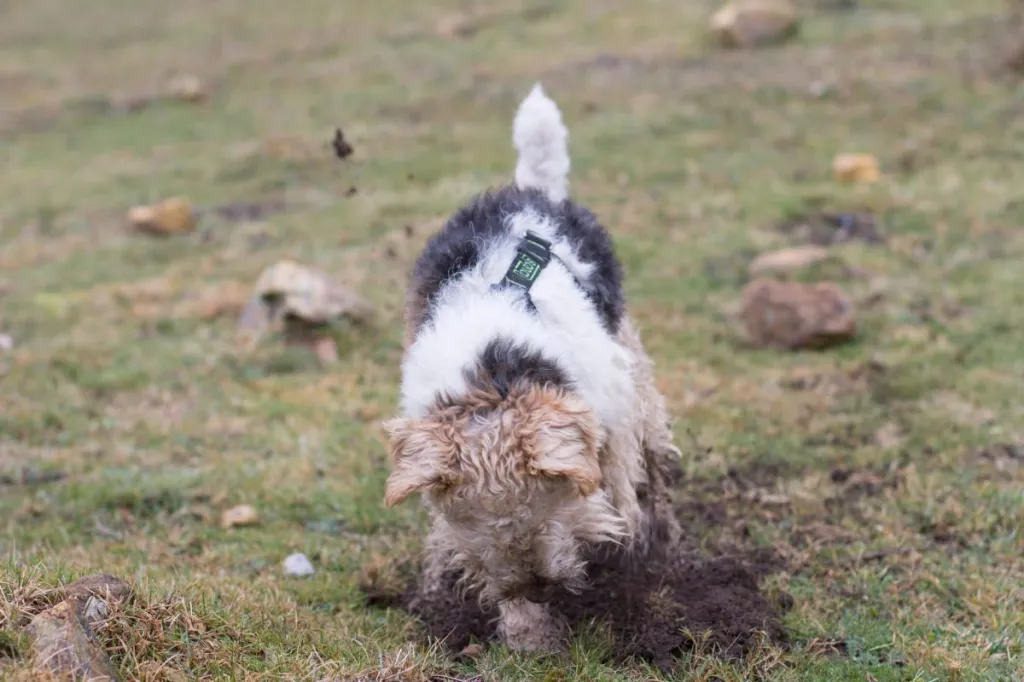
654 424
660 454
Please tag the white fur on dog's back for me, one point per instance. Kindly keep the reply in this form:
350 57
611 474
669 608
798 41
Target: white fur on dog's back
565 328
542 140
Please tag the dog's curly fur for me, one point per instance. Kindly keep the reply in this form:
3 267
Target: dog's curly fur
531 425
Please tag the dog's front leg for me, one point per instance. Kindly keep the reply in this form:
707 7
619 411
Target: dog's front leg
528 626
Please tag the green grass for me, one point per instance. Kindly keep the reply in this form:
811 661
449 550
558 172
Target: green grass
690 155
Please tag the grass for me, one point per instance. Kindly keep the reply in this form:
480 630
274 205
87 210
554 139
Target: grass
898 457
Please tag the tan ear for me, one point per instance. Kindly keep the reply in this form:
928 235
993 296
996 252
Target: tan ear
566 443
416 451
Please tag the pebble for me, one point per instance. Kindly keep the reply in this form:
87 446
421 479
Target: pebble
242 515
856 168
298 565
754 23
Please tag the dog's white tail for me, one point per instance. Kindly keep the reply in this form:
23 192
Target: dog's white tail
542 141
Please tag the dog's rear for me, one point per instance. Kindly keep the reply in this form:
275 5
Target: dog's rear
542 140
525 412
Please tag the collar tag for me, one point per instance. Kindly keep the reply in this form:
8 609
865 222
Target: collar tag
532 255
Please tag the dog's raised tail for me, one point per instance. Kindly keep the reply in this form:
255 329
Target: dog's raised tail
542 141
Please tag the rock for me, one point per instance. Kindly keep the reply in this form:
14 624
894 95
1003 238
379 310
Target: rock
169 217
64 644
792 316
861 168
187 88
100 585
753 23
6 343
303 297
298 565
785 260
242 515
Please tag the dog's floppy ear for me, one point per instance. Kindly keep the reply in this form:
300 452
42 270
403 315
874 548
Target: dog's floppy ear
417 452
566 442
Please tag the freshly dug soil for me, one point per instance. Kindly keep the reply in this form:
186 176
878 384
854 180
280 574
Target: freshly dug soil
654 609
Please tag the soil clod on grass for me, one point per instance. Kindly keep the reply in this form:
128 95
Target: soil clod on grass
342 149
674 601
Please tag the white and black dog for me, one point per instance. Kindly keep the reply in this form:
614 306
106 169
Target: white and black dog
530 418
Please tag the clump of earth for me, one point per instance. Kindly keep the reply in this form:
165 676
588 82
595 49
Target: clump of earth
654 609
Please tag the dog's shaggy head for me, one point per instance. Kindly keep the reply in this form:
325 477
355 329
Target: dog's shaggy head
514 482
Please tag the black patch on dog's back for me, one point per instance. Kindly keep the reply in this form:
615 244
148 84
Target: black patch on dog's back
459 245
505 364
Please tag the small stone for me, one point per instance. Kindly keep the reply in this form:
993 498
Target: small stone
471 651
791 315
306 297
6 343
754 23
187 88
860 168
242 515
298 565
96 609
169 217
785 260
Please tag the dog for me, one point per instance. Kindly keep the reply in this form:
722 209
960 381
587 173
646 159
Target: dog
530 423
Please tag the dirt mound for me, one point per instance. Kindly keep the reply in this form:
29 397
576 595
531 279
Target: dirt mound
654 609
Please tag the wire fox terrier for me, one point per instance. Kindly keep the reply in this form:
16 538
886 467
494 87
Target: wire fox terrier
530 422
